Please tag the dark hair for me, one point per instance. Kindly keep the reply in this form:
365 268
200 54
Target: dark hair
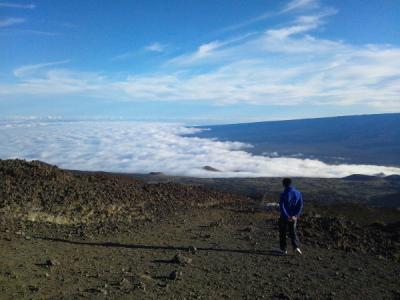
286 182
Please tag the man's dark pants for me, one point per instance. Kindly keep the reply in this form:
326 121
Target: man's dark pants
284 226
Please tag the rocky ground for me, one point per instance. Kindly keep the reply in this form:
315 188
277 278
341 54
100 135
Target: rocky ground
372 190
192 244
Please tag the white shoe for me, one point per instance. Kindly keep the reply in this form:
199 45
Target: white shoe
283 252
298 251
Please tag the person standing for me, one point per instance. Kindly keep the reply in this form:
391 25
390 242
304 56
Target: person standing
291 206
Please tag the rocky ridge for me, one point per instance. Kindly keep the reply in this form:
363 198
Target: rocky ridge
38 192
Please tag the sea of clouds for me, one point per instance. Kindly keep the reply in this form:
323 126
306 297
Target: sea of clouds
137 147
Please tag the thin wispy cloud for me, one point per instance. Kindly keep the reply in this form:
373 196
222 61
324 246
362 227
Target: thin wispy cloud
209 51
123 56
291 6
301 24
15 31
11 21
29 70
17 5
300 4
147 147
202 52
155 47
247 23
37 32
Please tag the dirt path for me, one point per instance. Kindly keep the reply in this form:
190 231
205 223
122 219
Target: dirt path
233 258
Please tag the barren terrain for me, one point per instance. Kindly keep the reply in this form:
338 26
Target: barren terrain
106 237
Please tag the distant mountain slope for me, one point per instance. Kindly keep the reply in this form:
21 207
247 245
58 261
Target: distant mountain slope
364 190
365 139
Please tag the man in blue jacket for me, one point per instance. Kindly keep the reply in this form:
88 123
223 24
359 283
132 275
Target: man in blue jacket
291 206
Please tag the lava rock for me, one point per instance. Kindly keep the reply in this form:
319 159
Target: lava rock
192 249
175 275
181 260
52 262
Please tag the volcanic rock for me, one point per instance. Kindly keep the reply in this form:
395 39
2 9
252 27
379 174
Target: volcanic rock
192 249
38 192
52 262
181 260
175 275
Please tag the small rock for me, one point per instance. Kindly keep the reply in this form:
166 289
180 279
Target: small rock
103 291
215 224
125 283
175 275
33 288
192 249
140 285
248 229
52 262
163 284
282 296
182 260
248 238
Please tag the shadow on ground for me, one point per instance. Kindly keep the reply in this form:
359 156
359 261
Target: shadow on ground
154 247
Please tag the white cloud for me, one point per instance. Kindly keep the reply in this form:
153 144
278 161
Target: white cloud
203 52
29 70
155 47
248 22
300 4
17 31
209 51
17 5
293 5
11 21
301 24
264 70
284 65
146 147
123 56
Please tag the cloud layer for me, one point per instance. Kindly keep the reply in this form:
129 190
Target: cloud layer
145 147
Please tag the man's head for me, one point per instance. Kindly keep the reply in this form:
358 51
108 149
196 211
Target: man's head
286 182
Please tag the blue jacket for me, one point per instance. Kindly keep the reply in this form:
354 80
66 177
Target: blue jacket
291 202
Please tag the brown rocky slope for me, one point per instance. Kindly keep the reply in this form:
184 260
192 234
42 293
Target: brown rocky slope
36 191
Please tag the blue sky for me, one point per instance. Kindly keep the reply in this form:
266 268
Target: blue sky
199 61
